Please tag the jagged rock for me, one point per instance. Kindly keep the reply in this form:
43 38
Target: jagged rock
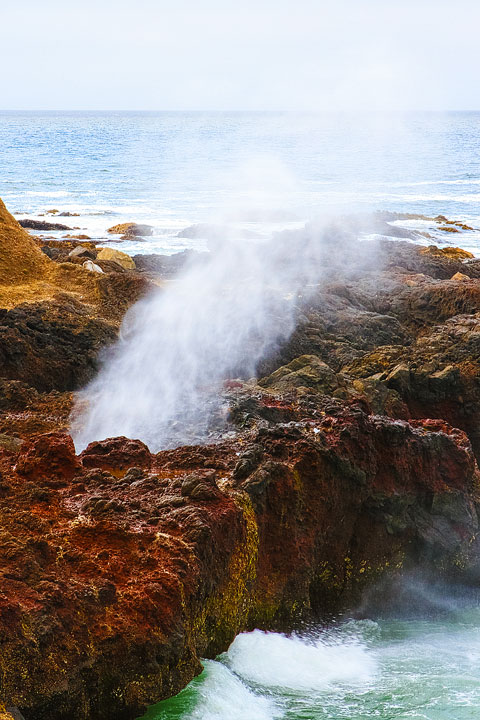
190 547
116 452
51 346
200 487
350 457
49 456
452 253
304 371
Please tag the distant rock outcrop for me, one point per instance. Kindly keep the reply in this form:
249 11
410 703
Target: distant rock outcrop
42 225
131 229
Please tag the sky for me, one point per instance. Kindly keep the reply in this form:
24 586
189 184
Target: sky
299 55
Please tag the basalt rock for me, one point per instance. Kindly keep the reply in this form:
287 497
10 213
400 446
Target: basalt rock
51 345
42 225
349 457
117 579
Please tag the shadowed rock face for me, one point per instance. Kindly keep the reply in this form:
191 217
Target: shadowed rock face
350 458
51 345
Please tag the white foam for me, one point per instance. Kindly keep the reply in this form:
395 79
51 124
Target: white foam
277 661
222 695
48 193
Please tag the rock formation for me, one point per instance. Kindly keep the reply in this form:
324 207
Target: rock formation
352 456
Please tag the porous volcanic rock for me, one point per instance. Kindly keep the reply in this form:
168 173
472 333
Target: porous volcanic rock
51 345
351 457
116 581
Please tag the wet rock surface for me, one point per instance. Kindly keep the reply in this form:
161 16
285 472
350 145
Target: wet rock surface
42 225
131 229
120 569
351 456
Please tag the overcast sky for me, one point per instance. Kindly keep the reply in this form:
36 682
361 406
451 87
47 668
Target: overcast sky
240 54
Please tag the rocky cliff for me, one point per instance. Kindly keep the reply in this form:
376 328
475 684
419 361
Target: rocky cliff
352 456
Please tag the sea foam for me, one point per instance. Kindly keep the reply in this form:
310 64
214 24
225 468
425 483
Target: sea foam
300 664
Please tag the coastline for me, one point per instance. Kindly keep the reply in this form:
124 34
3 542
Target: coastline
351 457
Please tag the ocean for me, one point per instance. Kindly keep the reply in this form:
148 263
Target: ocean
386 669
256 171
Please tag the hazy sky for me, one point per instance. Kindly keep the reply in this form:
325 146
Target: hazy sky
240 54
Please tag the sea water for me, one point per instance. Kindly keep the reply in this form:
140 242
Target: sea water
402 669
258 171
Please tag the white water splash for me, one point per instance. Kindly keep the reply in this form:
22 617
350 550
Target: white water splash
301 665
161 383
222 695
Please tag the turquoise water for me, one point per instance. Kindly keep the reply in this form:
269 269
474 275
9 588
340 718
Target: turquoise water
265 171
386 669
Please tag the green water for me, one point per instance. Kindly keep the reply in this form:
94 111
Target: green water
425 669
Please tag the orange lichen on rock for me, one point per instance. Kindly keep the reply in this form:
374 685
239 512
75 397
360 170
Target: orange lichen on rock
453 253
28 275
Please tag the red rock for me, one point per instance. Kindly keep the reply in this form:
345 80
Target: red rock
136 565
119 453
49 457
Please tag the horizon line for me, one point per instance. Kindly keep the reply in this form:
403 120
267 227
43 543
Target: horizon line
244 111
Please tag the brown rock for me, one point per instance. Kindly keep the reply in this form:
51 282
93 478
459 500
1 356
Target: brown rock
131 229
452 253
157 562
116 256
120 453
49 456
